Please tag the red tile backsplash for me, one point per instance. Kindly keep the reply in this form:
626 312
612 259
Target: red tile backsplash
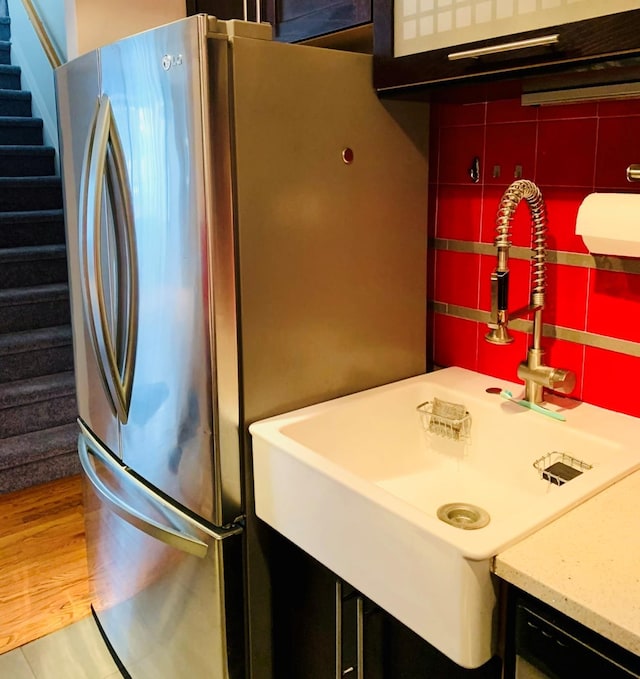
607 380
509 146
566 152
455 341
566 296
458 147
569 151
459 212
618 144
614 305
456 278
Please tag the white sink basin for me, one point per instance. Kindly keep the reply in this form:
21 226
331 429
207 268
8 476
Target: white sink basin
356 482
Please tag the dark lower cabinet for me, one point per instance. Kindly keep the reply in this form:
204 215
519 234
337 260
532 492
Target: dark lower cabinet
559 647
324 629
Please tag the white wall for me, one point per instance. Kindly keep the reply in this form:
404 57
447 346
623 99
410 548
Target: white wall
93 23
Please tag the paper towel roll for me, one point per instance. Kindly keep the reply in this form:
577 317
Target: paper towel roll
609 223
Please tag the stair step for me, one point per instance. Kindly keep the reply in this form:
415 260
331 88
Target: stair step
15 103
37 457
5 28
39 306
20 130
33 265
10 77
38 445
37 403
5 52
27 161
32 353
30 227
29 193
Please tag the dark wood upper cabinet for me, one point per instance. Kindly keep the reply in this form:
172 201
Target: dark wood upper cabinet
449 53
294 20
297 20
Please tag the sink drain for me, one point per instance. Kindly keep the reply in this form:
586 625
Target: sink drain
463 515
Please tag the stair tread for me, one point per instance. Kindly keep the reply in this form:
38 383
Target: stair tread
36 445
30 253
14 94
21 121
23 149
9 68
39 293
30 215
28 340
35 389
39 179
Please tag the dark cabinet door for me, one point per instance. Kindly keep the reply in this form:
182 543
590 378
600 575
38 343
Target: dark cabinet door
296 20
544 50
324 628
292 20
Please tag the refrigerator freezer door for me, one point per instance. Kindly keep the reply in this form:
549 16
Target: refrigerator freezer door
153 82
162 591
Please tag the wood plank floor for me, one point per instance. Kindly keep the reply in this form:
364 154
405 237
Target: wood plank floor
43 561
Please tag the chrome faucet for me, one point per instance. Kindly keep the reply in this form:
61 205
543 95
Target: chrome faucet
535 374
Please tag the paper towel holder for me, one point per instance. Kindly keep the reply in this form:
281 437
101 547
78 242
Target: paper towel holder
633 173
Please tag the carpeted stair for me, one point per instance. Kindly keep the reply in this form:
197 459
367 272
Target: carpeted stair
37 394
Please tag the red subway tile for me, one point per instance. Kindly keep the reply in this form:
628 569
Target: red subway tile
509 152
454 342
618 147
607 383
566 152
458 212
566 296
458 147
568 111
510 111
630 107
614 304
456 278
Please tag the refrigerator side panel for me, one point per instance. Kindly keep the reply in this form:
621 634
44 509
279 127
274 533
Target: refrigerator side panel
332 212
78 89
153 82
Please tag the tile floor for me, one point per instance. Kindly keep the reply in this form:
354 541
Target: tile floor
74 652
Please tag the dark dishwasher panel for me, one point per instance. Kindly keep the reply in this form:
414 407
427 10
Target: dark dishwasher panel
562 648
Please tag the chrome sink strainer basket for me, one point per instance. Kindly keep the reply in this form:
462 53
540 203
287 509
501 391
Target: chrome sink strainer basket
448 420
558 468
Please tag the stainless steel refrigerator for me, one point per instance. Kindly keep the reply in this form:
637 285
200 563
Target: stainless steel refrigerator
246 235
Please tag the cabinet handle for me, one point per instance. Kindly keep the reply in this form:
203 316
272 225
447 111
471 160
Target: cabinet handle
542 41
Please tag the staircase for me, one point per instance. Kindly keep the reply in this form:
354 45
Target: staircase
37 392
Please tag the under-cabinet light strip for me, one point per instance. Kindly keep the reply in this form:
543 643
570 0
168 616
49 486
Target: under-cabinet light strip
602 262
568 334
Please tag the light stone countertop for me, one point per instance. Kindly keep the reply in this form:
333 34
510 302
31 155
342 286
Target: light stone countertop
586 564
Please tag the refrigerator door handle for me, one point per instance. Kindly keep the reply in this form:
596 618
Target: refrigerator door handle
115 359
127 316
169 536
89 445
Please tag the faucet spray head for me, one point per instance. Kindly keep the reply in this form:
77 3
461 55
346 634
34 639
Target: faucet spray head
498 327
